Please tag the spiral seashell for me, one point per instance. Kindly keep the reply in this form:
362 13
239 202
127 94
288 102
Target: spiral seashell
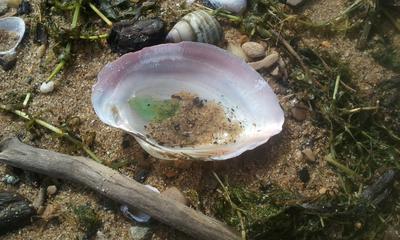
197 26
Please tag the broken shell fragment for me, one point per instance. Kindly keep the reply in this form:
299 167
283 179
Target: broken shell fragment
197 26
202 69
135 215
266 62
12 30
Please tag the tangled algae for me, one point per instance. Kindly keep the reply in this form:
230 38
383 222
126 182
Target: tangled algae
186 120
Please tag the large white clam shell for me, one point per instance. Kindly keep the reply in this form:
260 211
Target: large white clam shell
12 24
203 69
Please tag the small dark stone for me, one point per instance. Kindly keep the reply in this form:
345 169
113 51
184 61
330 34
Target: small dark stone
304 175
24 8
126 142
142 175
197 102
129 36
41 36
395 3
15 211
8 62
177 127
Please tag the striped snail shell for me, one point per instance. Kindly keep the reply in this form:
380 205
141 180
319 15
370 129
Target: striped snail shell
235 6
197 26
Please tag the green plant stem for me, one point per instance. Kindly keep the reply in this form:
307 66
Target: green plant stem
54 129
100 14
391 19
342 167
67 49
95 37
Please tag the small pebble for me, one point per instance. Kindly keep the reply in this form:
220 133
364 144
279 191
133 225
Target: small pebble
142 175
304 175
40 51
299 113
13 3
176 195
266 62
140 232
294 3
51 190
358 225
9 179
322 191
100 236
308 153
8 61
253 50
47 87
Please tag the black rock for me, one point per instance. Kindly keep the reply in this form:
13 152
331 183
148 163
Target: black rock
142 175
304 175
394 3
15 212
8 62
129 36
41 35
24 8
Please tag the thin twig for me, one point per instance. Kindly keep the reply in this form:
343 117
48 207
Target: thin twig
336 87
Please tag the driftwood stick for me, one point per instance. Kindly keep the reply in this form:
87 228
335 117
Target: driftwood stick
113 185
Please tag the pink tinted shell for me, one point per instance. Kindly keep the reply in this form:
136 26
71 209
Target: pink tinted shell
203 69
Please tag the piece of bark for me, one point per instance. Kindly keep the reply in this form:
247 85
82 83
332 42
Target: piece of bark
15 211
113 185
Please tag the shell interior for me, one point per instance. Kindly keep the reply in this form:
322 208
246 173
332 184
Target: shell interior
16 25
202 69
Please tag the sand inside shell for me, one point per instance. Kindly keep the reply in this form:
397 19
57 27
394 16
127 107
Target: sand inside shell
186 120
7 40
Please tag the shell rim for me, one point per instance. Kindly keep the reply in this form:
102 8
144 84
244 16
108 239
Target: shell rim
184 151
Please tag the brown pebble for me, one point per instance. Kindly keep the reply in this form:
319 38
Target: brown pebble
358 225
299 113
322 191
170 172
51 190
308 153
174 194
253 50
266 62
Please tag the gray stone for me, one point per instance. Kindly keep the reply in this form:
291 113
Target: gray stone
308 153
253 50
140 232
51 190
299 113
294 3
9 179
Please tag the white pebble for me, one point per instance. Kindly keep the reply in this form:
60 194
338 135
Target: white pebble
47 87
